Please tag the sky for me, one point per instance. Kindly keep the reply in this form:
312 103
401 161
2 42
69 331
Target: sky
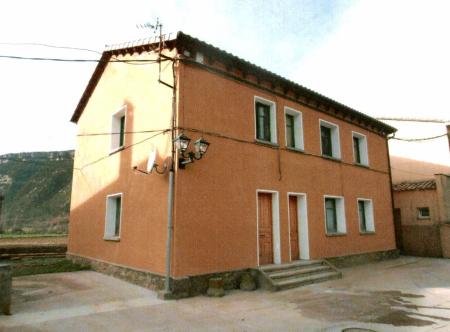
383 58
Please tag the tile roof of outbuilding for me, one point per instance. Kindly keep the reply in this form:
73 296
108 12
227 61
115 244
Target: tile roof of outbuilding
417 185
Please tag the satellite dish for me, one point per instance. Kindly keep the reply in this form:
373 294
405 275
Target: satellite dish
151 160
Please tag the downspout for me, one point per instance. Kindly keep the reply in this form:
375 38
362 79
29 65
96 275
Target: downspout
170 195
390 186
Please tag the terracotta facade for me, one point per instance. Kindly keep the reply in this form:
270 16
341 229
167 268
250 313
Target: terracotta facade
216 198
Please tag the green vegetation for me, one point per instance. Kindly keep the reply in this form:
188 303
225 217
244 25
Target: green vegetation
29 266
29 235
36 187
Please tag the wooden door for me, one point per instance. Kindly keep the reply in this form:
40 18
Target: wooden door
293 224
265 230
398 229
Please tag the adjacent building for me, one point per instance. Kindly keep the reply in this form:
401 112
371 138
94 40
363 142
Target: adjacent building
289 174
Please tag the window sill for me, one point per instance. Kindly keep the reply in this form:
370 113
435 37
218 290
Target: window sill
295 149
259 141
332 158
335 234
360 165
120 148
113 238
367 233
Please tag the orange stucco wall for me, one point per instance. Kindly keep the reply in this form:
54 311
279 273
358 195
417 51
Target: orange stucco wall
216 212
98 174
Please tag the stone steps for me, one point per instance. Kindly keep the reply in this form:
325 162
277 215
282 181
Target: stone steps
299 273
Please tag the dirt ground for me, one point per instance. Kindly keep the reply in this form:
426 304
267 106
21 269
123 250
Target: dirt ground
405 294
33 241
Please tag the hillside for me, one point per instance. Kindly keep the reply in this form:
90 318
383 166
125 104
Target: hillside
36 187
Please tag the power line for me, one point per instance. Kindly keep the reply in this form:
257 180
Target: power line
119 133
419 139
51 46
413 120
125 148
134 61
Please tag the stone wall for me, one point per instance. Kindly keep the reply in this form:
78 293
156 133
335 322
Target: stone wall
358 259
181 287
5 289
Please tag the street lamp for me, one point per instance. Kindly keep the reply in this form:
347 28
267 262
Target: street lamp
182 144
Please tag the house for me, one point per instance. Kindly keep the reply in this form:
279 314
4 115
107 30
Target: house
423 209
289 174
421 187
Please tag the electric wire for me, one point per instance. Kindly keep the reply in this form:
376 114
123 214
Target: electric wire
134 61
50 46
123 149
419 139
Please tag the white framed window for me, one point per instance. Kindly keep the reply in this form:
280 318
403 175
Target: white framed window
423 213
329 139
293 122
365 215
360 152
265 120
334 215
113 216
118 125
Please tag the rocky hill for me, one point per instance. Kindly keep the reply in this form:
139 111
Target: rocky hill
36 188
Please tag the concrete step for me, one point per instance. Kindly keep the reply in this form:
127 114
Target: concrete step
299 271
306 280
287 266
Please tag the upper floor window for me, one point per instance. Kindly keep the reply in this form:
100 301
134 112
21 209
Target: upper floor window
329 139
113 216
118 129
294 128
365 213
335 215
265 117
360 154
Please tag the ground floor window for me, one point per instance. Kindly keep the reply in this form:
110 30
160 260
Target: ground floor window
113 216
365 213
334 215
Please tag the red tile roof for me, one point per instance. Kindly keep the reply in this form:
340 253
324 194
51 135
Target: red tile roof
417 185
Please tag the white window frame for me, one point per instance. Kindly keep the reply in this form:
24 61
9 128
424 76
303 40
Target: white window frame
364 152
340 215
368 210
335 140
276 238
273 119
110 212
419 213
115 129
298 128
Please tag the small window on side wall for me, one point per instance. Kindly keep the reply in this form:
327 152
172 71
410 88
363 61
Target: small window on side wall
118 126
329 140
294 128
334 215
365 214
265 118
113 216
360 153
423 213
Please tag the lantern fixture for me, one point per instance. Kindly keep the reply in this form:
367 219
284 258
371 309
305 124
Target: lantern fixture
182 144
201 146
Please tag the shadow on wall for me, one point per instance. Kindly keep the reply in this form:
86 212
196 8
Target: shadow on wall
142 213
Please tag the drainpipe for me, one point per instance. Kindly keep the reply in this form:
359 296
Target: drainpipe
171 185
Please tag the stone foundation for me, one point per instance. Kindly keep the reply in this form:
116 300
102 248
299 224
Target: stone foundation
358 259
181 287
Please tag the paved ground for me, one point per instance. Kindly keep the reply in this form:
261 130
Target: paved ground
406 294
